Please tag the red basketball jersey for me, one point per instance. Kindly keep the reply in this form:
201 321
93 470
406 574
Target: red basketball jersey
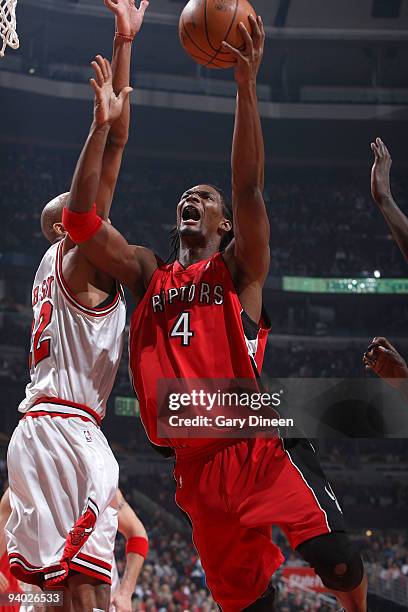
190 324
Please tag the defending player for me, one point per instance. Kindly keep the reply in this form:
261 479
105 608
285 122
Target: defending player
62 473
137 546
200 317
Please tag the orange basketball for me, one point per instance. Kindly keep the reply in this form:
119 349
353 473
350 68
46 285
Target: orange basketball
204 24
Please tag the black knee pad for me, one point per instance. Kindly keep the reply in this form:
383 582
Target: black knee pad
264 603
334 559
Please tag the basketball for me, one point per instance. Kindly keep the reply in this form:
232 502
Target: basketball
204 24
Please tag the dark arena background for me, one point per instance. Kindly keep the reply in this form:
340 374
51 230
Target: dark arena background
334 77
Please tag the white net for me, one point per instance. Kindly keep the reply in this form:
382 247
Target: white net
8 25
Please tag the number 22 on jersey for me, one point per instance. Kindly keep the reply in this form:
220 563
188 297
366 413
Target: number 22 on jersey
40 349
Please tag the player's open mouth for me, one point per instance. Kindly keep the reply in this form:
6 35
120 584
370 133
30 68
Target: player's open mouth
190 213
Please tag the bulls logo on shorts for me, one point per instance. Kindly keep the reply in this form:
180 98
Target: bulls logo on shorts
76 535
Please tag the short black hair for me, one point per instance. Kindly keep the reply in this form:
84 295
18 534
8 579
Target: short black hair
227 237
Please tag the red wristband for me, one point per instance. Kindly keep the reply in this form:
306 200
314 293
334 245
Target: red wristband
81 226
125 37
137 545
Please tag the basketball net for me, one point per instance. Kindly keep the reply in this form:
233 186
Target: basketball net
8 25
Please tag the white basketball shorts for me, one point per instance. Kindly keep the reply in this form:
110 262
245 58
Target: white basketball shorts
63 478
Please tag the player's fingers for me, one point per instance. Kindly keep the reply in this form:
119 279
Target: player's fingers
369 359
378 143
143 6
374 150
249 44
112 6
387 153
108 68
98 73
385 351
124 93
102 66
233 50
382 146
381 340
261 26
372 349
94 86
256 32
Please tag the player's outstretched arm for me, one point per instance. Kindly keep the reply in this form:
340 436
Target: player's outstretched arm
383 358
102 245
136 550
381 192
251 224
128 21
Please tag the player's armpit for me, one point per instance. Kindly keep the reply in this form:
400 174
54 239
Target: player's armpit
109 252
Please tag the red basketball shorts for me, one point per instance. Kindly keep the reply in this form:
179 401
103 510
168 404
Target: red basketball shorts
235 495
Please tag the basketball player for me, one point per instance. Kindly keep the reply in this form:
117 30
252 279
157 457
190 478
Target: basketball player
381 357
137 546
200 317
62 473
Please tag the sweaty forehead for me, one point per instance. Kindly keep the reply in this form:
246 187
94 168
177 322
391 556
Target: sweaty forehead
204 189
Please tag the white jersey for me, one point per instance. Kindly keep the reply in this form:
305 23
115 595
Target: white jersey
75 350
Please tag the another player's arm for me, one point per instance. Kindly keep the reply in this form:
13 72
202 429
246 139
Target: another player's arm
101 244
251 224
137 545
384 360
381 191
128 21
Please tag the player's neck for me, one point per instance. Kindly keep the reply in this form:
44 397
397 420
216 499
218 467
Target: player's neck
190 254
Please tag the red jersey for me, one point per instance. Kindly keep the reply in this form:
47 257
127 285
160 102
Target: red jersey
190 324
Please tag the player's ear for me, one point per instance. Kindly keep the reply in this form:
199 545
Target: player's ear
59 229
226 225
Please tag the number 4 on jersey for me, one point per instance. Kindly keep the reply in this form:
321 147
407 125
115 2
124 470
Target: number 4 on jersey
181 329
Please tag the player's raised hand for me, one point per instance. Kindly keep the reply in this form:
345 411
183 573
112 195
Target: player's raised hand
129 18
383 358
249 59
108 107
380 173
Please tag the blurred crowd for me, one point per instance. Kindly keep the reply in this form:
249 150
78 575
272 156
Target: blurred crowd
323 221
